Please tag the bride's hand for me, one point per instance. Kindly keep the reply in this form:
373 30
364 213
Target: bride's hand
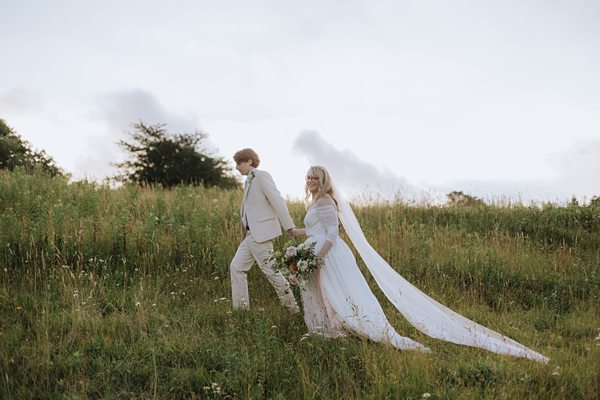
300 232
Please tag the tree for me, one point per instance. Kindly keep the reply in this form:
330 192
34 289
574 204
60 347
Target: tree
462 199
171 159
16 152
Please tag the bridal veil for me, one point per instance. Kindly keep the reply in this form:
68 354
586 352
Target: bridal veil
423 312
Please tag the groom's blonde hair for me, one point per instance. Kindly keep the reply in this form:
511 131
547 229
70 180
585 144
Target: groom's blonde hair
247 154
325 184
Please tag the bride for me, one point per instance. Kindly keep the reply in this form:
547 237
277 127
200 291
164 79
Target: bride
337 299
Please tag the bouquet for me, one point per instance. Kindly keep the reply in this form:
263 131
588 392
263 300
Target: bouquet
295 261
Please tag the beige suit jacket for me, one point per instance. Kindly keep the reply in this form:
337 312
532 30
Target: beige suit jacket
264 208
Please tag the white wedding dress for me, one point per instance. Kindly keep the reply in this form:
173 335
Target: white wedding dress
337 299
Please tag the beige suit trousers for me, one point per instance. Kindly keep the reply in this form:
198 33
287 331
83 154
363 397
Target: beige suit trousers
248 252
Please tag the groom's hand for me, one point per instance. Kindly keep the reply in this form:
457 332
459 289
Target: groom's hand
292 233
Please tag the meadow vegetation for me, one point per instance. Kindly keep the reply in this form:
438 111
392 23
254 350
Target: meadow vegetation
124 293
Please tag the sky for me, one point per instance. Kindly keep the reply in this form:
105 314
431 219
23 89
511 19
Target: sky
398 99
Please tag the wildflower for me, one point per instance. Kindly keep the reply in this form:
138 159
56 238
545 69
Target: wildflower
137 303
216 388
426 395
304 337
216 278
274 327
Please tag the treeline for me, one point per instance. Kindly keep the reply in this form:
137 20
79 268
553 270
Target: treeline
156 157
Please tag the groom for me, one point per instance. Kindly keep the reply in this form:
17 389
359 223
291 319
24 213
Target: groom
263 209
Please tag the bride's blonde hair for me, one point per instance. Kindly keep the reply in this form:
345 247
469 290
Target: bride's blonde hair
325 186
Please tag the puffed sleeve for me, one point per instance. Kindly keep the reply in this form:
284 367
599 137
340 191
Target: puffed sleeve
329 218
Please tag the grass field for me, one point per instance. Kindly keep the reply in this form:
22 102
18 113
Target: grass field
124 293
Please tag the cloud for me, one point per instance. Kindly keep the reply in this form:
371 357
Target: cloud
577 174
350 173
578 168
20 101
120 109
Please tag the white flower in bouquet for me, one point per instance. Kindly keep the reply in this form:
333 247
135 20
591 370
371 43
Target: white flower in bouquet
303 265
291 251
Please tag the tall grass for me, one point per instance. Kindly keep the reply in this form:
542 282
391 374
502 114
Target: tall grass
124 293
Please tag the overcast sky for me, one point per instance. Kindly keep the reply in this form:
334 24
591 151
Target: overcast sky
500 99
